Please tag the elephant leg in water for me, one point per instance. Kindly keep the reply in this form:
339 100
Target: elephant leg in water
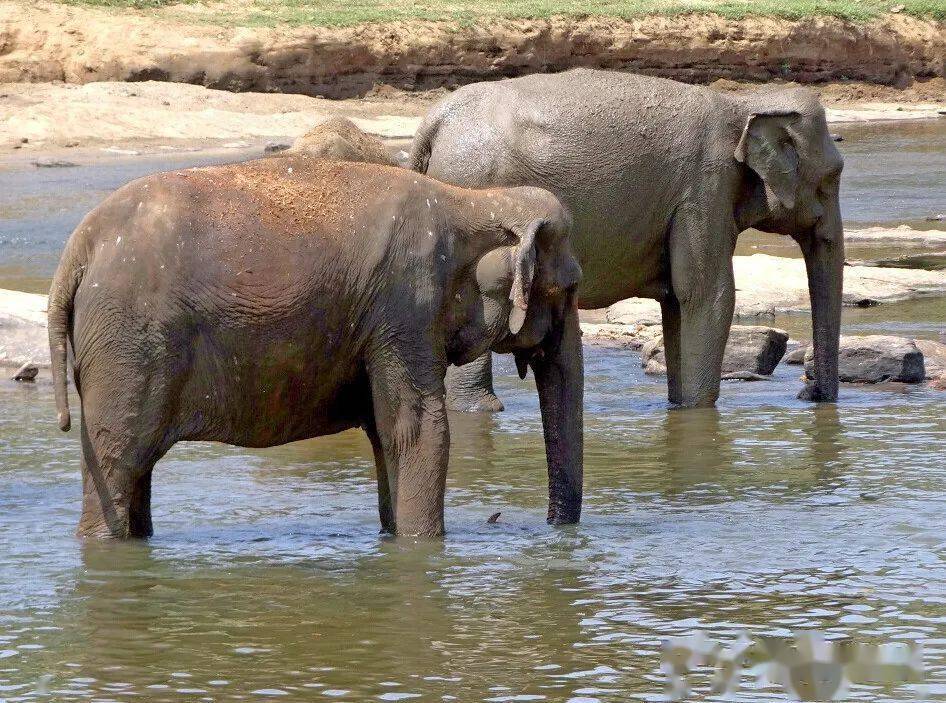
697 311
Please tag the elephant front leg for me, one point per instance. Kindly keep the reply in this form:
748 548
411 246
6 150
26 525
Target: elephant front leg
385 506
670 317
702 282
470 387
414 439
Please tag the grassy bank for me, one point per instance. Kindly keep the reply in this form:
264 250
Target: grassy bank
330 13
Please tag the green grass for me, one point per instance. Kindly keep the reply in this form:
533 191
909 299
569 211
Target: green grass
346 13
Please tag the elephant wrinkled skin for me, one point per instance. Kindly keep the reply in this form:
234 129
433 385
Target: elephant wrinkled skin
660 178
286 298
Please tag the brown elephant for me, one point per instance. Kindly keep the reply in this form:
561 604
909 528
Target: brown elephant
287 298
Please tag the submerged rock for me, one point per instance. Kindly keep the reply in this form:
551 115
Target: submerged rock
796 356
755 349
27 372
934 357
875 359
752 351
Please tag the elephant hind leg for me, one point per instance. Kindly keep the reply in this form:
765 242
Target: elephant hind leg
470 387
116 486
124 432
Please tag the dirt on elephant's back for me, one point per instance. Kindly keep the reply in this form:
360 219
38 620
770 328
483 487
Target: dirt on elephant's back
47 42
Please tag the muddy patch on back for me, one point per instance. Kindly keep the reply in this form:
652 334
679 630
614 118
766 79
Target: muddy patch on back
293 195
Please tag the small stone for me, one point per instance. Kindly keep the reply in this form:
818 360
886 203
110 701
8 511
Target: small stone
53 163
494 518
273 147
936 218
71 144
27 373
837 138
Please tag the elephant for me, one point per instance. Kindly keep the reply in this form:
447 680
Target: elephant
339 139
660 178
280 299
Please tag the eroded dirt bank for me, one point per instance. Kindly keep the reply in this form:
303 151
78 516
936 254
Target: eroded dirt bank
47 42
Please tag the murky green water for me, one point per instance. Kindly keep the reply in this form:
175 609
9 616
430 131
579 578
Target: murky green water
267 579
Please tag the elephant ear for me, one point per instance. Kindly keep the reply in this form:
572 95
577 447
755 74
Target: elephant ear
767 148
523 267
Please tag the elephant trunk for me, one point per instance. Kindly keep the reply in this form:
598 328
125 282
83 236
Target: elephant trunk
824 260
559 377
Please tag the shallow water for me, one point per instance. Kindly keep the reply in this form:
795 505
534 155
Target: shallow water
266 576
894 174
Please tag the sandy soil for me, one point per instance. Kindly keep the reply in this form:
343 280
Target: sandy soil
42 119
144 116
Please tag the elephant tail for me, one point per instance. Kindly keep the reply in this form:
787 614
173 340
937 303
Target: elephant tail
424 138
59 316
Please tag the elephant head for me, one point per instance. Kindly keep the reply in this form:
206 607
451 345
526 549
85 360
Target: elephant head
521 300
791 176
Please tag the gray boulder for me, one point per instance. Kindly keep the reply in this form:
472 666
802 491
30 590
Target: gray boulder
875 359
796 356
752 350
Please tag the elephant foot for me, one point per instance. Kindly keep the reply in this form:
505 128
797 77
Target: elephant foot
812 393
565 517
484 402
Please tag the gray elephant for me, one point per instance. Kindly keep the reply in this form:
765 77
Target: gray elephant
660 177
286 298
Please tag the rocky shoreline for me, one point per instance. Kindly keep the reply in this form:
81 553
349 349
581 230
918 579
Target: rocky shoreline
634 324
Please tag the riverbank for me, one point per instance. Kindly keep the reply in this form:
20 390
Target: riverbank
152 116
336 52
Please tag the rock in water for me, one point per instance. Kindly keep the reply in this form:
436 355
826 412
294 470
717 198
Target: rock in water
934 357
796 356
754 349
653 358
874 359
751 350
27 372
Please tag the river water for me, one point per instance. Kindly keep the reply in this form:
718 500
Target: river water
266 578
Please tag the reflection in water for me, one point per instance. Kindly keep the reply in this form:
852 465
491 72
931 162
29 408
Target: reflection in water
267 576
